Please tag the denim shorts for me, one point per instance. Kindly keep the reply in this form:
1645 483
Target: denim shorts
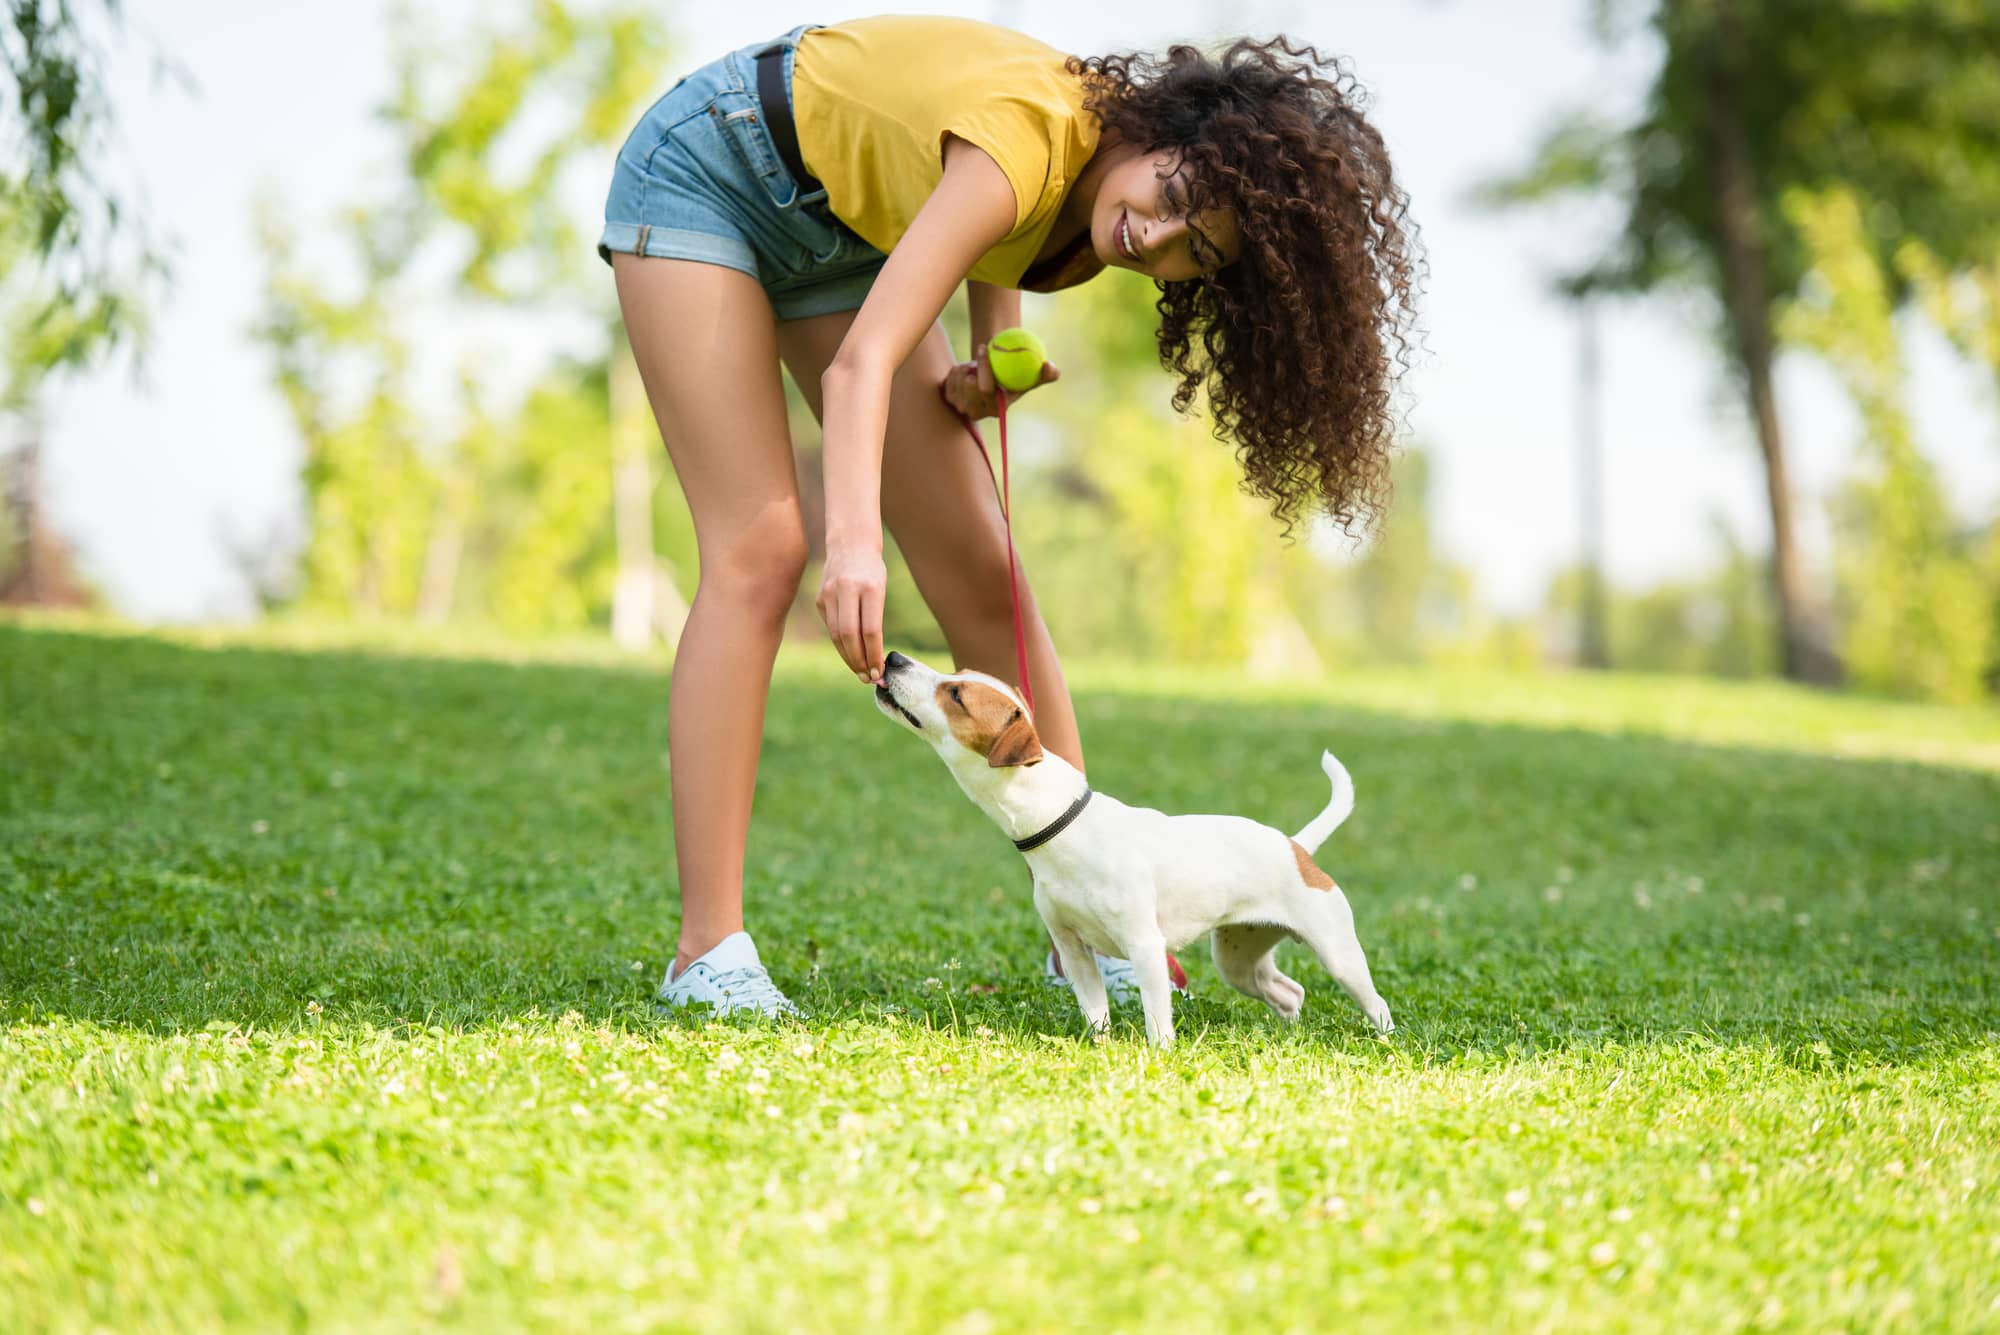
700 179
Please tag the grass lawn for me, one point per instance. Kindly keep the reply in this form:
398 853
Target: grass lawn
325 987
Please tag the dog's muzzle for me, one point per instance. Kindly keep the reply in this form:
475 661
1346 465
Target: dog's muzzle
885 696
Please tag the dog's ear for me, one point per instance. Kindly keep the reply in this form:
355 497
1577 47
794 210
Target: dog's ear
1017 744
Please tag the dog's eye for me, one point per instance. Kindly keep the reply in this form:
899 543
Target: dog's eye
955 696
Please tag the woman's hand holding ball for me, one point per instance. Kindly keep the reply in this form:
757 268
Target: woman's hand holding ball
1014 360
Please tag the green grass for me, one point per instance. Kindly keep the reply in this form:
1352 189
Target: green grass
325 979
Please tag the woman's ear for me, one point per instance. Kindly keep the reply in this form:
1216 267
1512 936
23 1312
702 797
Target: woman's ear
1017 744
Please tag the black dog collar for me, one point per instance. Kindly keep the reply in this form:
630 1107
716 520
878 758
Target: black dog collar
1056 826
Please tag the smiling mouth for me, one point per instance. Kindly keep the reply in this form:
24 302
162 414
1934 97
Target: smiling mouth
1125 238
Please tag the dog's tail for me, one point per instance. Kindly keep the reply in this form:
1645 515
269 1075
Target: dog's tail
1337 810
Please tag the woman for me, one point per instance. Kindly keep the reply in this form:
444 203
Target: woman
817 200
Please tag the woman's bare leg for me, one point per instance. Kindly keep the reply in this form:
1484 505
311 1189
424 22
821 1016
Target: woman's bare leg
705 342
938 501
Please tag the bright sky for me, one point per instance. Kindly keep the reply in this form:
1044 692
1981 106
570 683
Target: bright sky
154 477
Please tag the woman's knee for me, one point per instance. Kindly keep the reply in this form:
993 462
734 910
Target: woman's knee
758 566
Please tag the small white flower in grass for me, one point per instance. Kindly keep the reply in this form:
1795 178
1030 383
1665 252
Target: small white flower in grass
1468 883
1603 1254
1129 1236
1621 1215
1552 894
1537 1261
35 1206
638 966
392 1087
1640 899
1894 1168
1802 919
1090 1205
804 1049
849 1124
773 1111
728 1060
260 827
1517 1199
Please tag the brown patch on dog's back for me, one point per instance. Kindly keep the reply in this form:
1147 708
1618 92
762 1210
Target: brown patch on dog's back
987 723
1309 871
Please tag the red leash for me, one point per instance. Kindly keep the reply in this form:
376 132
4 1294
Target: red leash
1175 972
1006 518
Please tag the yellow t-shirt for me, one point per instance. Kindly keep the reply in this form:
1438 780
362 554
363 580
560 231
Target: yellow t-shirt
873 99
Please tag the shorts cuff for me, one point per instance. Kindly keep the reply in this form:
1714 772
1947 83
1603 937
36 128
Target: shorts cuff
671 243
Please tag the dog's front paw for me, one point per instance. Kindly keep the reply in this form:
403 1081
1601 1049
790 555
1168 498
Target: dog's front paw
1378 1015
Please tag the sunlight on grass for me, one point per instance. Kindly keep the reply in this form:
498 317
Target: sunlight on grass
325 988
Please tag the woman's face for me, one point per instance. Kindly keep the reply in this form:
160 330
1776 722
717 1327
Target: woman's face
1140 221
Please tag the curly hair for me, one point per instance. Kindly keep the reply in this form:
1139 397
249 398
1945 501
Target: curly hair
1299 343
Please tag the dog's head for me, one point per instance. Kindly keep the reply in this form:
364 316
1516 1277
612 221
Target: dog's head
964 715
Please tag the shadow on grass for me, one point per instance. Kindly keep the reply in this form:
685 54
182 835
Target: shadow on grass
190 837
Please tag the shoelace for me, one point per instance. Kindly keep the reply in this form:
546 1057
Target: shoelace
752 986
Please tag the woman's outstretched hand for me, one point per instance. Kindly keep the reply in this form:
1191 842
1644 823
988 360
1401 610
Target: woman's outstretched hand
969 387
852 588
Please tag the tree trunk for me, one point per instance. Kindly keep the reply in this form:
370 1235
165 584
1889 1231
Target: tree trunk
1746 299
1593 642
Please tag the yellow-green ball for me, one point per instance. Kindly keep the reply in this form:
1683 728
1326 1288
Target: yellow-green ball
1017 357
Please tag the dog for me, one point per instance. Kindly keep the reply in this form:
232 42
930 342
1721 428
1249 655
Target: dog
1130 881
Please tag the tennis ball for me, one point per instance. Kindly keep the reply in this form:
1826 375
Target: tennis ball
1016 356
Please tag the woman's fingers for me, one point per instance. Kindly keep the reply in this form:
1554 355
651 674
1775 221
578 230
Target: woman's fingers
852 592
872 600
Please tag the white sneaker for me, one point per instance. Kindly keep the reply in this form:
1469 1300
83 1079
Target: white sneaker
1121 985
729 979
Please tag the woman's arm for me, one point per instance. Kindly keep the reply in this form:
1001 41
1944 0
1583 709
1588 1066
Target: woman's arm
992 309
970 211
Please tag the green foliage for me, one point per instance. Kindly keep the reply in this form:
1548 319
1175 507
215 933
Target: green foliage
1891 97
1918 617
325 1003
75 273
1717 622
502 511
1143 543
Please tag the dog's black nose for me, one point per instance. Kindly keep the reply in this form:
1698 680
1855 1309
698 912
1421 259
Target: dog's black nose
894 661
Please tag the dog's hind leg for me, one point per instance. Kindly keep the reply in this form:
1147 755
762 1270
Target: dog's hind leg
1323 920
1245 957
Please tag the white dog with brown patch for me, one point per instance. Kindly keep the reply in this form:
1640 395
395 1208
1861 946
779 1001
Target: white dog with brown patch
1132 882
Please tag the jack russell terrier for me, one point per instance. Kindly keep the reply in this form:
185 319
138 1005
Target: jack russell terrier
1129 881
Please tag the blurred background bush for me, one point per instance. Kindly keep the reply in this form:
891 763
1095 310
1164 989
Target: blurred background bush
289 359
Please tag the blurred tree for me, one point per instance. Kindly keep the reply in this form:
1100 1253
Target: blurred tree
1140 540
1917 620
1755 97
75 273
1718 622
1401 600
511 509
1966 306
